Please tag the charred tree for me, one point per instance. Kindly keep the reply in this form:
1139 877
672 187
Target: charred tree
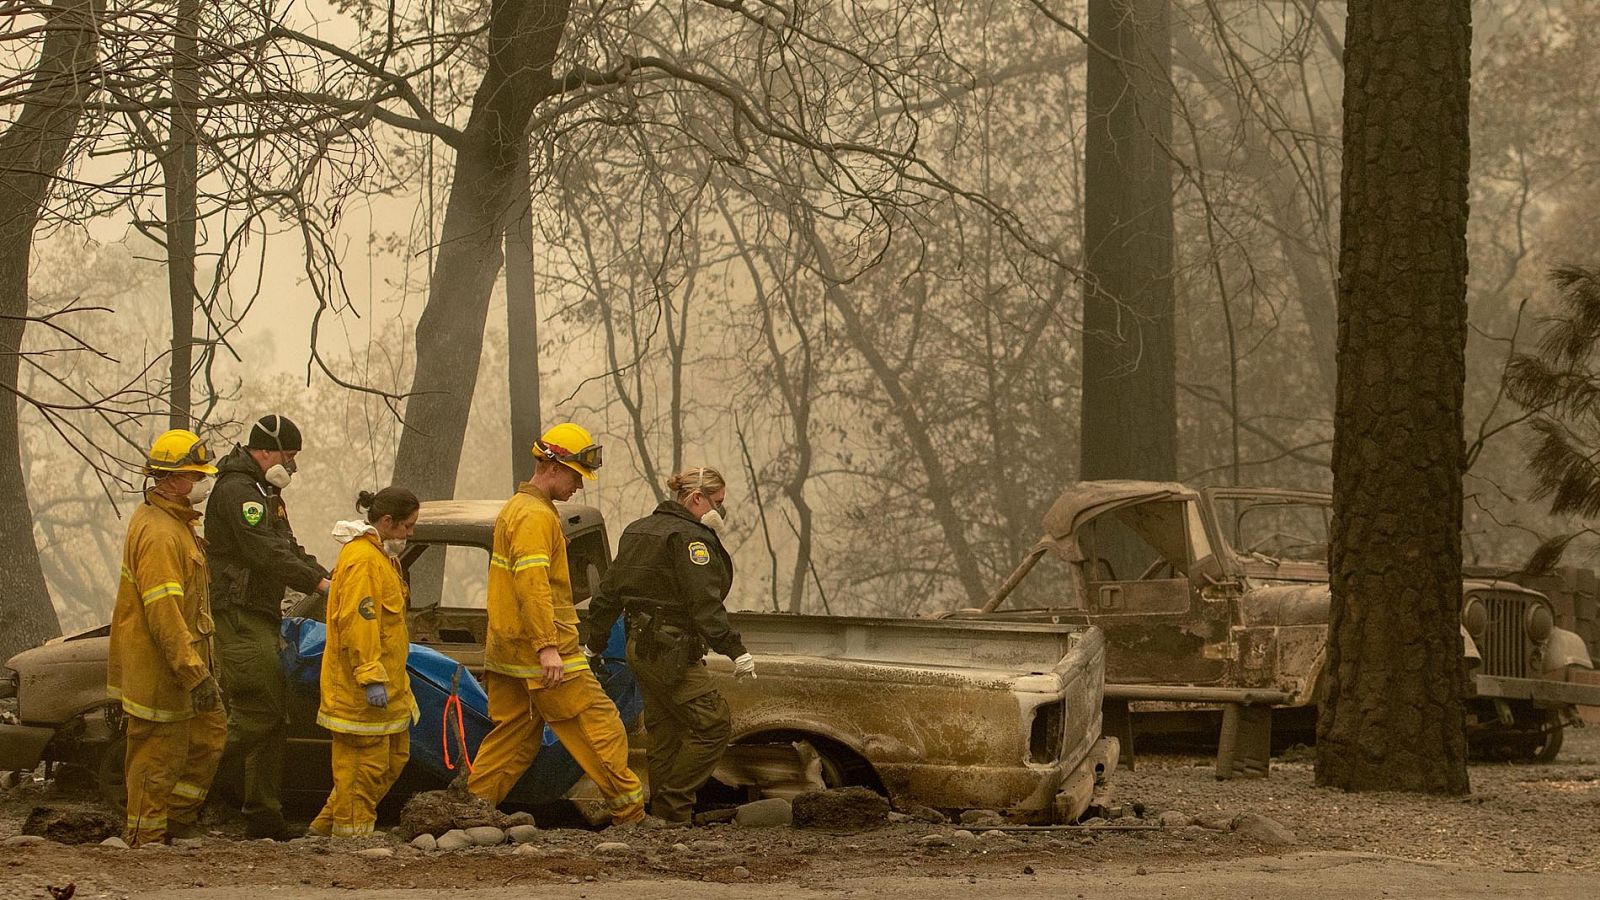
523 37
32 150
1129 415
180 171
1392 716
522 326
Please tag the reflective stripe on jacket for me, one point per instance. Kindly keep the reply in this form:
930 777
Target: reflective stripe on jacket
161 627
530 590
367 643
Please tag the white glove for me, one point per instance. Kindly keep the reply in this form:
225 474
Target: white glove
744 666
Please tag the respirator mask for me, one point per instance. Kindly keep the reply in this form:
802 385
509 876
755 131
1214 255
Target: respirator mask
281 474
200 491
715 518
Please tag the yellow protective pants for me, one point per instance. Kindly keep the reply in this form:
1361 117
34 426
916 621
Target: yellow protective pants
169 767
365 766
580 714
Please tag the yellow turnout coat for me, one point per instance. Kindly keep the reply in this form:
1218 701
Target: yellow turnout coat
367 643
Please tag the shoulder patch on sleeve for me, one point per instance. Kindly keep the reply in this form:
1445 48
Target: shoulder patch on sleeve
699 553
367 608
252 512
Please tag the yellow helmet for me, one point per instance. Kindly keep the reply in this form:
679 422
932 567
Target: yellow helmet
179 451
572 446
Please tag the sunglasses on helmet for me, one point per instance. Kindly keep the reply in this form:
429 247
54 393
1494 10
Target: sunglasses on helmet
588 457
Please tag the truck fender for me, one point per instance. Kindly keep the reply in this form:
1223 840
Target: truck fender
1469 649
1565 648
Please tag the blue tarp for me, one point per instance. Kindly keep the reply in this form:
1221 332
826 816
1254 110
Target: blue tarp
553 772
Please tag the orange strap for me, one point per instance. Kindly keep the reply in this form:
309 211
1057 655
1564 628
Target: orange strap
461 729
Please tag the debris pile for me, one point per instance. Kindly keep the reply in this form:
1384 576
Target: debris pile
440 812
841 809
70 826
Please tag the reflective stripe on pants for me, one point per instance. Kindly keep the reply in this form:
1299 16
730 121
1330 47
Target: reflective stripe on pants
169 766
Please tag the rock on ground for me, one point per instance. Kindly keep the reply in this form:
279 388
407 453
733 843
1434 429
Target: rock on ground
923 813
1215 821
842 808
611 847
771 812
486 835
982 818
522 834
425 842
1259 828
436 812
454 839
1172 818
73 826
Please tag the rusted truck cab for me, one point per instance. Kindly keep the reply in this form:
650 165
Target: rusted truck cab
1219 597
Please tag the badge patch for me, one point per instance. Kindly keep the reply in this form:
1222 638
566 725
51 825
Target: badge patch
367 608
699 553
252 512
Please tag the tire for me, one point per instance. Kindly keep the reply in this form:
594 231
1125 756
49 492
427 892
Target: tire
1547 751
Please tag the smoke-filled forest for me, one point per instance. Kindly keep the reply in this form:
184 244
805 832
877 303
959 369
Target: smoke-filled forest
846 252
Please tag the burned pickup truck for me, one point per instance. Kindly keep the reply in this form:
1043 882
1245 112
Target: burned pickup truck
949 715
1218 597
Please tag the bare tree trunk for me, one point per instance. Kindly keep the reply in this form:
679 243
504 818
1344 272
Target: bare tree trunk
31 152
1130 399
523 37
1392 717
179 169
522 326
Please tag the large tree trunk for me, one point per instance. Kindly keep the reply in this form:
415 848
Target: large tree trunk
1392 717
523 37
179 170
1130 424
522 326
31 151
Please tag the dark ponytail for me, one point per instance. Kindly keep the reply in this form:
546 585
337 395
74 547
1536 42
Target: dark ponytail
393 501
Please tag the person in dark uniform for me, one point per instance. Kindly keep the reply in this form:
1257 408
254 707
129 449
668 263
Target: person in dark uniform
670 579
254 556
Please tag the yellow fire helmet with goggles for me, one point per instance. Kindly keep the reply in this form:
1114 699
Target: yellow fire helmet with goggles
179 451
572 446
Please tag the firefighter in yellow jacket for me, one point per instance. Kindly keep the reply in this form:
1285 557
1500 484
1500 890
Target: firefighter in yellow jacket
161 667
366 693
535 671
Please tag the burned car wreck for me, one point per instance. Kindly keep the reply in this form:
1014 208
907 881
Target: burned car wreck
1218 598
1002 715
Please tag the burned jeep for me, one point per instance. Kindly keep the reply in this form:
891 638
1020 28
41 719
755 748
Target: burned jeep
1218 598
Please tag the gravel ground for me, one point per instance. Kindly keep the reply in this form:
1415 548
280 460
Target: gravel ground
1520 819
1517 818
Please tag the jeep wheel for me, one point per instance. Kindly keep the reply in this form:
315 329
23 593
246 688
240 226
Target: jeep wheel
1546 746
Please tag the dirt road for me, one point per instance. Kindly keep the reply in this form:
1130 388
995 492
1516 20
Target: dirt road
1525 832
